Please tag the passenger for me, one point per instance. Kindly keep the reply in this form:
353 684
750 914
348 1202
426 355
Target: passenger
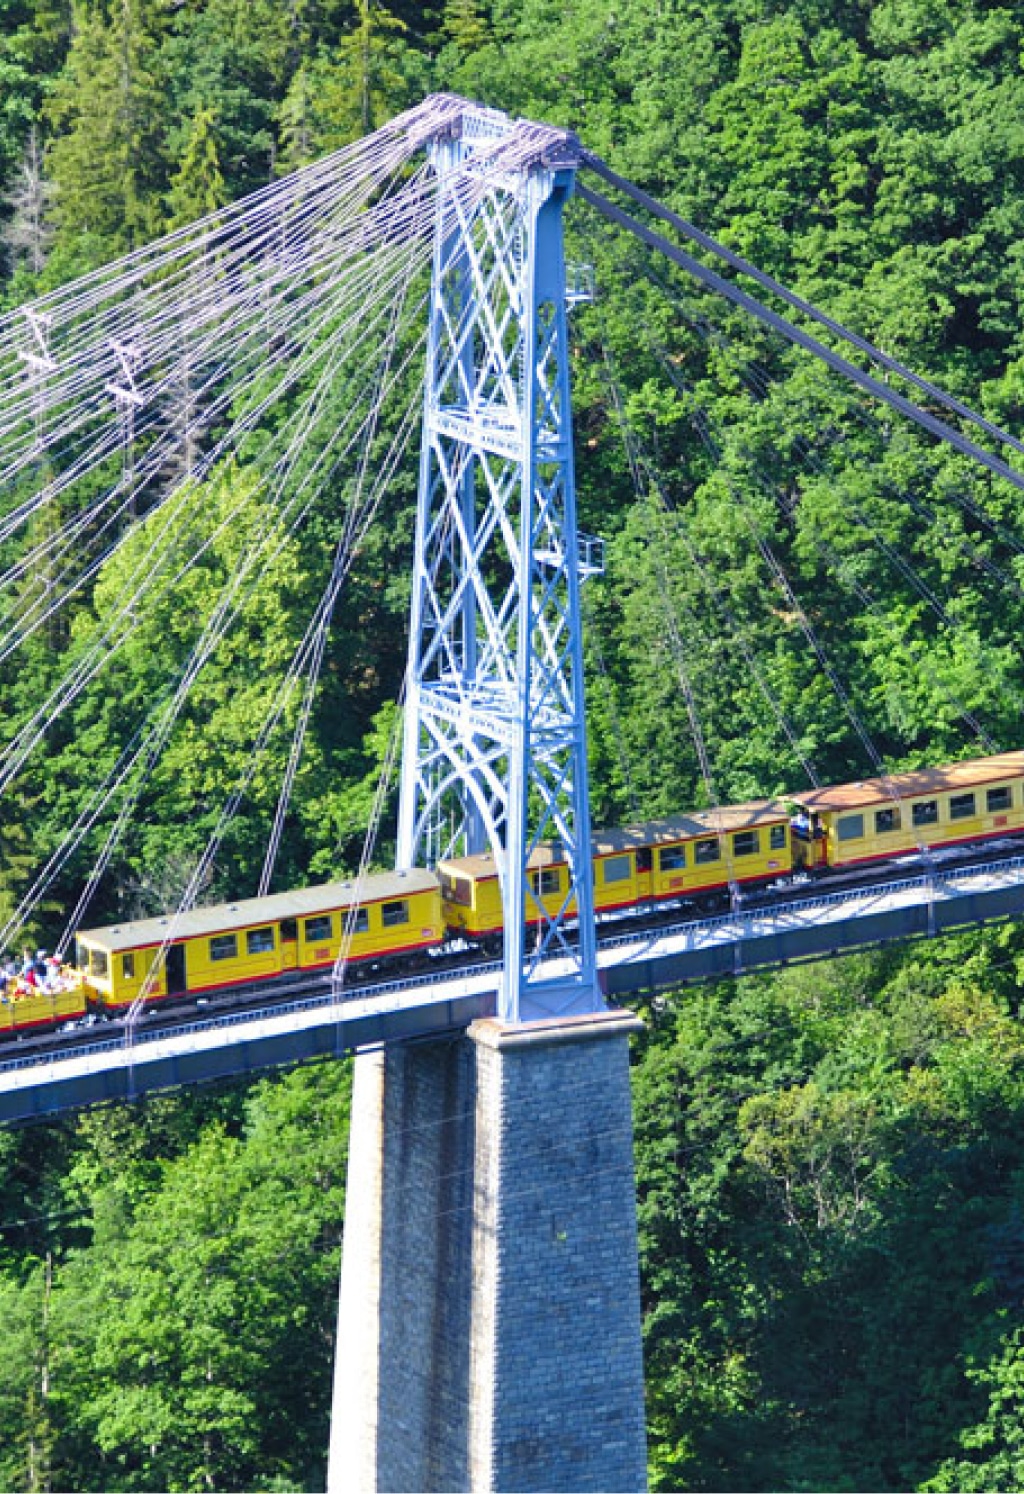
54 980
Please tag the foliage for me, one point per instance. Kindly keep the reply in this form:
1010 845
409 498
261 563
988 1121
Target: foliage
831 1181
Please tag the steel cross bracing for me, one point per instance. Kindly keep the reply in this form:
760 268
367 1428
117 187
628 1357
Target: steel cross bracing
495 743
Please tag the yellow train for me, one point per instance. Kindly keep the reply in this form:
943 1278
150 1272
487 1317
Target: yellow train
687 859
228 945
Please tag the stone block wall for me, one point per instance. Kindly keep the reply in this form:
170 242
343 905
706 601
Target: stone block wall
489 1332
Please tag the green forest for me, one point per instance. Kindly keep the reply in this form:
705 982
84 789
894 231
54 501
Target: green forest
830 1159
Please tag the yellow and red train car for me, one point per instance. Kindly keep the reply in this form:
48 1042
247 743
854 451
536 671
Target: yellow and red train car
27 1009
878 818
394 917
383 917
669 860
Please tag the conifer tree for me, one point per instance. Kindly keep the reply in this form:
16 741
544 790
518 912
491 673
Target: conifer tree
298 123
368 57
197 187
107 108
465 24
28 234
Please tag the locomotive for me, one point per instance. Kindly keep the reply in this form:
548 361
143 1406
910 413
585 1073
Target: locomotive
392 921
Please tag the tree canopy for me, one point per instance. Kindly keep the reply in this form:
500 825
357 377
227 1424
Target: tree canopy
830 1170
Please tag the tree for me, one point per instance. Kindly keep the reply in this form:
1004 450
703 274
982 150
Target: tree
108 110
30 199
197 187
465 24
997 1440
193 1367
368 58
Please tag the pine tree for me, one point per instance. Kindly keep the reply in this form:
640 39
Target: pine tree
108 110
298 123
465 23
28 234
197 187
368 53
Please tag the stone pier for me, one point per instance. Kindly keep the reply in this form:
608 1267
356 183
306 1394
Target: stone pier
489 1323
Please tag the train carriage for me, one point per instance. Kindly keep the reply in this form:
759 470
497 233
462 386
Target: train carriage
685 859
877 818
685 856
391 914
23 1010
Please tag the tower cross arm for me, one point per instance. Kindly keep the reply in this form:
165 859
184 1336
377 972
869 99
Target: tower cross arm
520 144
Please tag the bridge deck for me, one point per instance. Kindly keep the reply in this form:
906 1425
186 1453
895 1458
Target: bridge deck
161 1056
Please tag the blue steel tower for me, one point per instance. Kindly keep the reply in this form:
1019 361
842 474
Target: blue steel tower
495 742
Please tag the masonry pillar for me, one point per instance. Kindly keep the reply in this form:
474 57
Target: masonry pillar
489 1321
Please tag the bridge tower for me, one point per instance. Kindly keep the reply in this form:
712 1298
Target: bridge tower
495 741
489 1319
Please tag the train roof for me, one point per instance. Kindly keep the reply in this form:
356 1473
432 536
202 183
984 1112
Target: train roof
668 831
697 822
302 902
950 778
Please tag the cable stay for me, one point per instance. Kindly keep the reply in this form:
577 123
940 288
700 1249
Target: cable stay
794 334
133 397
744 267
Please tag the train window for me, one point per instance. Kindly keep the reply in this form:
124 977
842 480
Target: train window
777 837
358 925
259 941
616 869
643 859
289 930
886 820
851 827
392 914
457 889
705 851
998 798
961 806
545 883
671 858
746 843
224 947
926 812
98 963
316 930
128 967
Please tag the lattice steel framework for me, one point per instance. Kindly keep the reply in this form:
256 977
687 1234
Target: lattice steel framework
495 740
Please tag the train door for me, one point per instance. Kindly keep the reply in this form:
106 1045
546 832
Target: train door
174 967
289 943
809 839
644 864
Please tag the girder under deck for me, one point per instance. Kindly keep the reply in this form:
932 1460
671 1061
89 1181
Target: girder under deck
217 1047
